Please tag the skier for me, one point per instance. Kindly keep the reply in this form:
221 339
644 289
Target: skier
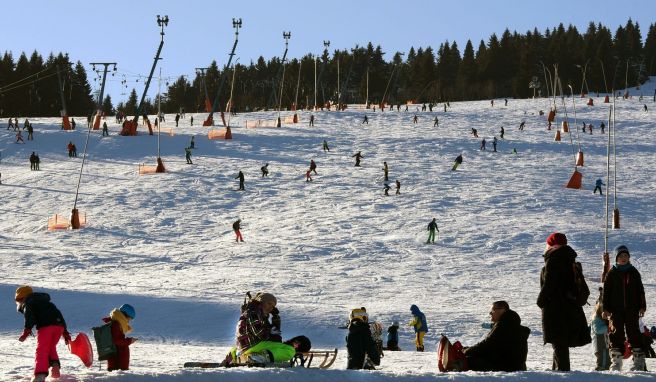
602 126
73 123
188 155
365 120
385 171
120 319
436 122
38 310
483 144
398 187
386 188
393 337
457 162
521 125
474 132
177 119
598 185
432 228
360 345
494 144
313 166
325 146
501 132
192 143
240 176
236 227
357 157
415 119
308 177
420 326
311 120
19 137
265 170
105 130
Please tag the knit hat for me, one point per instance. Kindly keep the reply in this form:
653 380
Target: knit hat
266 297
621 249
557 238
22 292
359 314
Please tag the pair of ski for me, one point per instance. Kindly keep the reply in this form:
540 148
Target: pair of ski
324 359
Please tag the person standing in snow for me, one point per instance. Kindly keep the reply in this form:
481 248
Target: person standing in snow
120 319
598 185
624 303
236 226
393 337
40 312
420 326
360 345
415 119
483 144
386 188
432 228
240 176
308 176
105 130
265 170
501 132
325 146
600 342
311 123
192 143
30 132
177 119
313 166
494 144
457 162
357 157
188 155
398 187
436 122
385 172
365 120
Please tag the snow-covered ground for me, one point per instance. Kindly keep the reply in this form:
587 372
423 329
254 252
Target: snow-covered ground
164 243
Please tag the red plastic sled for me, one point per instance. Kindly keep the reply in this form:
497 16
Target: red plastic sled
81 347
450 357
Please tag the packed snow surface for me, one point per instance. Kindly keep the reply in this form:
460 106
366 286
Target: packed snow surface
164 243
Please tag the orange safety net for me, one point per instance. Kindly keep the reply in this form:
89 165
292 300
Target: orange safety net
58 222
220 134
261 123
147 169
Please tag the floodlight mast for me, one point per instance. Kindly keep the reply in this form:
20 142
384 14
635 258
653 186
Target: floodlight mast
96 122
161 22
236 23
273 99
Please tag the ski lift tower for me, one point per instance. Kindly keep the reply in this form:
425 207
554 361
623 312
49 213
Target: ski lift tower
201 73
326 45
286 36
96 122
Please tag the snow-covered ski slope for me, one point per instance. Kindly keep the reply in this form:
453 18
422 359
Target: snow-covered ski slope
164 243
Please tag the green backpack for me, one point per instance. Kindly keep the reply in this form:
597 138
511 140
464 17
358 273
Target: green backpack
104 343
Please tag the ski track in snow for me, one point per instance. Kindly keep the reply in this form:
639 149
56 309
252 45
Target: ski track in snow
164 243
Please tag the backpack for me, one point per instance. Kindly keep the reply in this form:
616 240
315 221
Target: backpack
104 343
581 290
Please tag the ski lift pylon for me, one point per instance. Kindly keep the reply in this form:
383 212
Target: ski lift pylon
579 158
575 181
565 126
557 137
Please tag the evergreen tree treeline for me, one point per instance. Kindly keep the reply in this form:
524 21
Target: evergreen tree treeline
500 67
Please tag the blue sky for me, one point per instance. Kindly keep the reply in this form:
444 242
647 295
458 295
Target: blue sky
200 31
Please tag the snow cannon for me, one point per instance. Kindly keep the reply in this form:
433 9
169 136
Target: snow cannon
81 347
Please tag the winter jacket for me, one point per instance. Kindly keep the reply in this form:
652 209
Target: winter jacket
623 290
432 226
419 320
121 359
563 320
360 344
459 159
393 337
599 325
505 347
254 327
236 226
39 311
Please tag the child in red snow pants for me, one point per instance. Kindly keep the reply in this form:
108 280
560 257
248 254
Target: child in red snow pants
46 348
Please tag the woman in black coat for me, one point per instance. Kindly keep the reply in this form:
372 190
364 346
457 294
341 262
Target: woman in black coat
564 324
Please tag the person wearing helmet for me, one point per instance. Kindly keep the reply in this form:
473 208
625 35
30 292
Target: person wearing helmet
120 319
360 345
50 325
624 303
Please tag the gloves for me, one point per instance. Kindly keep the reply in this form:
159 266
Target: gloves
67 337
27 332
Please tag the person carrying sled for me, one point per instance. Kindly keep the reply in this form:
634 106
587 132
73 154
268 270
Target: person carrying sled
598 185
50 325
564 324
432 228
624 303
393 337
265 170
505 347
357 157
120 319
420 326
360 345
240 176
236 226
457 162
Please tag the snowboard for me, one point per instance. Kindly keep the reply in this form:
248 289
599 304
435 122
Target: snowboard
450 356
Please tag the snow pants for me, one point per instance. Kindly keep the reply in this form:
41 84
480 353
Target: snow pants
281 352
455 166
600 343
625 324
46 348
419 340
238 235
560 357
431 236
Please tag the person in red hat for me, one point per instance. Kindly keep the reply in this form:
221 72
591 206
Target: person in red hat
564 324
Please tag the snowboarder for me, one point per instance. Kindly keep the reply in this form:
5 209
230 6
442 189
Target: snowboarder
494 144
505 347
188 155
398 187
432 228
38 310
385 171
265 170
483 144
436 122
419 324
386 188
624 303
192 143
393 337
240 176
325 146
105 130
311 120
501 132
360 345
457 162
308 177
357 157
236 227
598 185
120 319
365 120
313 166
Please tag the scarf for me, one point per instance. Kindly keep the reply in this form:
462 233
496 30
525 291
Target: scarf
623 268
118 316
